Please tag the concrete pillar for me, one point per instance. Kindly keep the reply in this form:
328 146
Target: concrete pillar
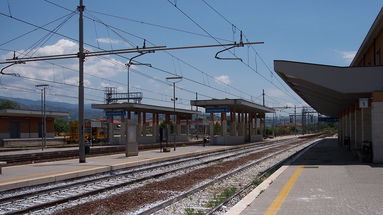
167 120
178 125
123 131
139 126
255 124
246 122
239 124
143 124
187 127
110 129
223 124
262 124
352 128
211 126
233 124
377 126
154 126
358 132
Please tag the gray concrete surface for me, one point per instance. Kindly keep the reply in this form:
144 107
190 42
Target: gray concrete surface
331 182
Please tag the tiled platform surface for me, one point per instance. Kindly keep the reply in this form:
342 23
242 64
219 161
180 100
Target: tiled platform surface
324 180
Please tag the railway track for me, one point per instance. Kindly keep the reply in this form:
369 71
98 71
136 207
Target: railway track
41 197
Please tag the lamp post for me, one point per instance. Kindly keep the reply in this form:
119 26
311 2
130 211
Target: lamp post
174 80
43 115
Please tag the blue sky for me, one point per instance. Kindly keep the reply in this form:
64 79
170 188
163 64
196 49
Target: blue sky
324 32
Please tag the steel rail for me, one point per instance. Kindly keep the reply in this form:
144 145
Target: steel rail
203 186
105 188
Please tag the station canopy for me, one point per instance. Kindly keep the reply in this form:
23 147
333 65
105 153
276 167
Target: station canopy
227 105
135 107
32 113
330 89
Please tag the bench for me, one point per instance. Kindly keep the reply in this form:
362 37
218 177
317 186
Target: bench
2 163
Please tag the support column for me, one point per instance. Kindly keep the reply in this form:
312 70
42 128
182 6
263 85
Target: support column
211 127
123 131
223 124
358 128
255 122
377 127
154 126
239 125
129 115
110 129
246 123
232 124
178 125
139 126
187 128
144 124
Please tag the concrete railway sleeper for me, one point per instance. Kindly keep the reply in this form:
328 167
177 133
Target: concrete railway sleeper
219 179
27 202
145 198
24 192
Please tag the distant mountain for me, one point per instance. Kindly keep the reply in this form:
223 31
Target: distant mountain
72 109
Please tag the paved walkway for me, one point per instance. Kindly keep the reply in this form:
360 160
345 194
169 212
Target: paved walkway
324 180
39 173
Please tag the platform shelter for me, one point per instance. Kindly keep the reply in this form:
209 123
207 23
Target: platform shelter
139 113
353 94
246 121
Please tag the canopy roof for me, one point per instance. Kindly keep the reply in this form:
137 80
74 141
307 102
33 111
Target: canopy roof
233 105
330 89
32 113
144 108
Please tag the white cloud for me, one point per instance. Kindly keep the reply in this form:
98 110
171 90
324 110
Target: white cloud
61 47
74 81
107 40
348 55
222 79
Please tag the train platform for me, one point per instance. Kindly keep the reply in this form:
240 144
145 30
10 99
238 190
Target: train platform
325 179
39 173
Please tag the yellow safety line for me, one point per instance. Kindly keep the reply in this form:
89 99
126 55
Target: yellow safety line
282 195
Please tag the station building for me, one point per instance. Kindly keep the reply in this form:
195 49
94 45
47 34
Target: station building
24 127
353 94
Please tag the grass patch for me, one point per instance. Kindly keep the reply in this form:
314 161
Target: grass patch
218 199
192 211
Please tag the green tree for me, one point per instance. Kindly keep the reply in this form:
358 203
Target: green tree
61 126
8 104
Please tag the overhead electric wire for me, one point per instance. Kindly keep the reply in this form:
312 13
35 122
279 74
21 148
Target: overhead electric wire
39 27
267 66
157 25
186 78
33 30
111 27
203 29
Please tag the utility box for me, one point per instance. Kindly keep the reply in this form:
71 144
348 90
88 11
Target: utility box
131 138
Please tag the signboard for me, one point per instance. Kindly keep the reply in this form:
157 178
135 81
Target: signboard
114 113
327 119
363 102
95 124
217 110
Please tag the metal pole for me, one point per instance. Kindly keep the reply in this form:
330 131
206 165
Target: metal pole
263 97
45 122
128 80
196 98
42 120
81 58
174 112
295 119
